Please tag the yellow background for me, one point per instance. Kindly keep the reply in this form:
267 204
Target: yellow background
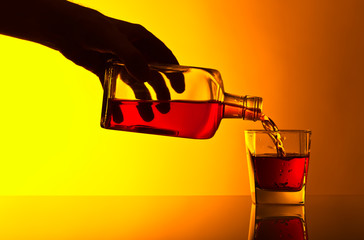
306 59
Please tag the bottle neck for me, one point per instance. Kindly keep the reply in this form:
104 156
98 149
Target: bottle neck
246 107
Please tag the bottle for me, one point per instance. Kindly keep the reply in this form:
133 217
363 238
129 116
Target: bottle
191 101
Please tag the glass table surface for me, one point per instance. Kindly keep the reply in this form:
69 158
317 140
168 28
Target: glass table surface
177 217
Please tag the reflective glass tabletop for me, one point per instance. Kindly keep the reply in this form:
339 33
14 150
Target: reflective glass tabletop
178 217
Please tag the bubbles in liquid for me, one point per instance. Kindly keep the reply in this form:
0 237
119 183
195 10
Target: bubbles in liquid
272 128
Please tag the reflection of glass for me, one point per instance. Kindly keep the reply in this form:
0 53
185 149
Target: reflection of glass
277 179
273 222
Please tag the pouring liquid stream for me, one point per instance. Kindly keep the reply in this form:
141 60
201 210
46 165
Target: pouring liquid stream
274 133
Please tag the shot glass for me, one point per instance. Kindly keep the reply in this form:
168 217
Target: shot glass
276 178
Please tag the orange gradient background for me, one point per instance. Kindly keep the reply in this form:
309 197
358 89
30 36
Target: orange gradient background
306 59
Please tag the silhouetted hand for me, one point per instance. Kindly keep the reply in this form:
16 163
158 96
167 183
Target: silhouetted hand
89 39
97 38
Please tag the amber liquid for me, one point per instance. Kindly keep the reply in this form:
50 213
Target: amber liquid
272 128
280 229
189 119
280 173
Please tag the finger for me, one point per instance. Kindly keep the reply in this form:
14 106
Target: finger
153 49
117 116
140 90
156 51
177 80
142 93
144 106
161 90
145 111
138 69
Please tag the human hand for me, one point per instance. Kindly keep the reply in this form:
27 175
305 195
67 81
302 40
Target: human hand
90 39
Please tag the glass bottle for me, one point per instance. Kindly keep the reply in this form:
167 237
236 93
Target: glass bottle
185 102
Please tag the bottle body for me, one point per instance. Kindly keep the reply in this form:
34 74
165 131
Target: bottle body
195 112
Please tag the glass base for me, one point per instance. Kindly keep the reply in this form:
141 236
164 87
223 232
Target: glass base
273 197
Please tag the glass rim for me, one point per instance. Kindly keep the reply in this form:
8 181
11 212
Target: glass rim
280 130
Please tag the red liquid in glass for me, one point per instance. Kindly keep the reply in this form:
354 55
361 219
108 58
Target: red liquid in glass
280 228
280 173
185 118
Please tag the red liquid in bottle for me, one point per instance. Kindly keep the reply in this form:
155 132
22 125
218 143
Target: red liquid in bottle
280 228
280 173
184 119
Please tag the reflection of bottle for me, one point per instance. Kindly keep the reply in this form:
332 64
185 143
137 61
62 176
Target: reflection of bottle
195 112
277 222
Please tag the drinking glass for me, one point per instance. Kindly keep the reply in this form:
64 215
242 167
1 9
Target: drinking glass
276 178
